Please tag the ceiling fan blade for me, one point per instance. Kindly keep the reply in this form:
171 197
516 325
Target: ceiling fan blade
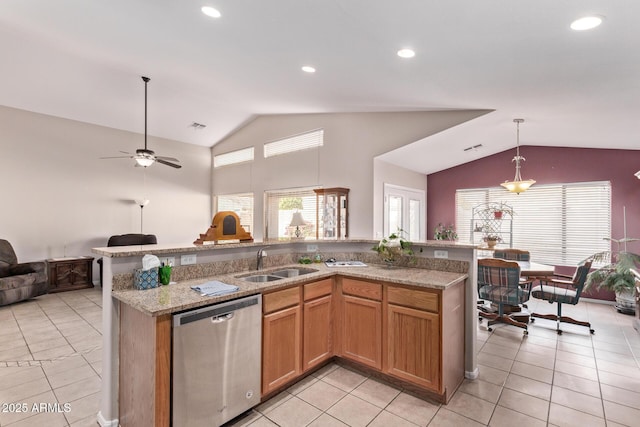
117 157
168 159
164 162
124 152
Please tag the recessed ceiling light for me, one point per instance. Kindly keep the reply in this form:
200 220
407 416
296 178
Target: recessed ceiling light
210 11
406 53
308 69
586 23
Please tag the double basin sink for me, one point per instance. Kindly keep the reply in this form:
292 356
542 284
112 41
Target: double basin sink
279 274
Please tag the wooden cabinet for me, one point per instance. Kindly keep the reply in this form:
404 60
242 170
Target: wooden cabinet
67 274
281 338
361 317
317 323
413 345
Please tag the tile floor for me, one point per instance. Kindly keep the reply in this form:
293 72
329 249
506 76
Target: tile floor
50 352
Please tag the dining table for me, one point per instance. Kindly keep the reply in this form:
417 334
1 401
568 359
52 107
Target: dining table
535 269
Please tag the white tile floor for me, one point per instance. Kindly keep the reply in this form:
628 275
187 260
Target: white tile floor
50 352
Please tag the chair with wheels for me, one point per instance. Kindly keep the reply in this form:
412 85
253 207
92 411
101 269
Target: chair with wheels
512 254
499 282
563 289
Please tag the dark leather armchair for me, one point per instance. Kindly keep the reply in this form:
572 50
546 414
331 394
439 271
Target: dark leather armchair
20 281
132 239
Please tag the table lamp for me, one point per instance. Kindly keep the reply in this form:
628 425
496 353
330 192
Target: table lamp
297 221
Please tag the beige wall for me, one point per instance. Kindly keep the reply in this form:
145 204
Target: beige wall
352 140
59 198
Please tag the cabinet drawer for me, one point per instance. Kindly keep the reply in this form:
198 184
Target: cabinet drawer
362 289
318 289
280 299
422 300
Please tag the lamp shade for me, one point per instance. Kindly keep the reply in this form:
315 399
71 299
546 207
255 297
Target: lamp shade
297 220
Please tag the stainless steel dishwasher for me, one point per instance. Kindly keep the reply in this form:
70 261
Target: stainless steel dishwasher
216 362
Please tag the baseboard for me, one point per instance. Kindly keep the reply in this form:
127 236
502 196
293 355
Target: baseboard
597 301
106 423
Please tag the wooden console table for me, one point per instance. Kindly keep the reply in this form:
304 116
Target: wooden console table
70 273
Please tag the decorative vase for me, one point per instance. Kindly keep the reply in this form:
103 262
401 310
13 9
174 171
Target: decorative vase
626 301
491 243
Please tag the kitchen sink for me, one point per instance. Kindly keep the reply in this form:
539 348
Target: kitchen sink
262 278
293 272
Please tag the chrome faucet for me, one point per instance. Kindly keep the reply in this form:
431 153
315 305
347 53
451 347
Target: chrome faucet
260 257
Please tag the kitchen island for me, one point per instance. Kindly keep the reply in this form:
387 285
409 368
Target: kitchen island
425 299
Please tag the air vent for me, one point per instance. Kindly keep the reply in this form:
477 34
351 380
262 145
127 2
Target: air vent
197 125
473 147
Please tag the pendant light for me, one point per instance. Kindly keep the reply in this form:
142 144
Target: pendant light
518 185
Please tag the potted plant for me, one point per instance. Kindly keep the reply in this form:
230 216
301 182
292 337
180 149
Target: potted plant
393 247
442 232
491 240
616 274
496 210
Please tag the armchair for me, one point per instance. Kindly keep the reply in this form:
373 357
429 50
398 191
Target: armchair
499 282
20 281
512 254
563 290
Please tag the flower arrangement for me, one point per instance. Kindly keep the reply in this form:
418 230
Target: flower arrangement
442 232
393 247
493 237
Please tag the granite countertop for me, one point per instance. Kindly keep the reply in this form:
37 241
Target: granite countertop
179 296
167 249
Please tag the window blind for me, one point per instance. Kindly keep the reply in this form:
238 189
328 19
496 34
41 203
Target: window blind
560 224
233 157
290 144
280 206
241 204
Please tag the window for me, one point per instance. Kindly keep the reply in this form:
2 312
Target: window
233 157
560 224
294 143
280 206
241 204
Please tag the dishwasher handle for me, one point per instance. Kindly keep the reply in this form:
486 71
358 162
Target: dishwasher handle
222 318
216 311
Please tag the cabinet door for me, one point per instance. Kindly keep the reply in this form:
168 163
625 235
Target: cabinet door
281 332
317 332
362 330
414 345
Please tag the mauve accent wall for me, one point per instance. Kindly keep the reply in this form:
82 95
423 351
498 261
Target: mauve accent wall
547 165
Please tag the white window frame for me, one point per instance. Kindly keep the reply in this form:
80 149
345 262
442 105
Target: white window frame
560 224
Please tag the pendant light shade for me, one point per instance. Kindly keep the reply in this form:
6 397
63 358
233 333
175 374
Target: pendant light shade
518 185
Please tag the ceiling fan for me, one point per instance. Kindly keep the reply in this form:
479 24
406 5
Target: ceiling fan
143 156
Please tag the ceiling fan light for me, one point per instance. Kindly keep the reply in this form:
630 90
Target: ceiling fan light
144 161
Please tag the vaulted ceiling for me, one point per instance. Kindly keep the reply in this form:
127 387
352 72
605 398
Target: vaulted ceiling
82 60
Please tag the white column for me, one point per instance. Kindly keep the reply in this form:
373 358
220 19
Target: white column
471 320
108 415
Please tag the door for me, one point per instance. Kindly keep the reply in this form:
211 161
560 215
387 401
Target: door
414 345
281 342
404 208
317 332
362 330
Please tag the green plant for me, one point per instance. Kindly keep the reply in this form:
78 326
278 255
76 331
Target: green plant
393 247
442 232
616 274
